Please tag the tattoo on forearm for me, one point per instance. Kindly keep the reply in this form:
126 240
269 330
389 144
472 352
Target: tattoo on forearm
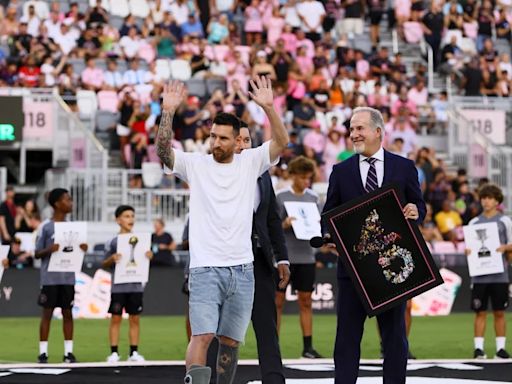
164 140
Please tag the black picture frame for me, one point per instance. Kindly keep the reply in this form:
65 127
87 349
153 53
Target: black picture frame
384 254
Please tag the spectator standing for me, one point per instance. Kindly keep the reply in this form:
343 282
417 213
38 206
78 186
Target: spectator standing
8 216
492 287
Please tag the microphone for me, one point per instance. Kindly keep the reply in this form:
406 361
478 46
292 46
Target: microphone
318 242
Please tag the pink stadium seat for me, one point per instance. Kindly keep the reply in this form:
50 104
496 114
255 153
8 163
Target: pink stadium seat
413 32
107 101
147 52
444 247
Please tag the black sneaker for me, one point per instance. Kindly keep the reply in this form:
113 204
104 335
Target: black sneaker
479 354
69 358
311 354
502 354
42 358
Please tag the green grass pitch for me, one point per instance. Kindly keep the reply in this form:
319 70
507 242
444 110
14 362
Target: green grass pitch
164 338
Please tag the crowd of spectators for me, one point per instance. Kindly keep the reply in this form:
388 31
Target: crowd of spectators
308 48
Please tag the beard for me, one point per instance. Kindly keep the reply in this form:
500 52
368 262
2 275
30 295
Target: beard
359 147
221 156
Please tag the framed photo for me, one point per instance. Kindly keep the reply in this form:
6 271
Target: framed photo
383 253
307 219
69 257
134 265
483 240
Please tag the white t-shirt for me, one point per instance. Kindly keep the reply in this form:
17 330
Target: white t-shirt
221 204
312 12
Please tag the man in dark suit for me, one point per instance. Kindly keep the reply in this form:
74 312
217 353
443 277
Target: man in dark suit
370 168
268 243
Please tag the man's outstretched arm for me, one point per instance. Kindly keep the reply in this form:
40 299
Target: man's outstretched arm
262 95
173 95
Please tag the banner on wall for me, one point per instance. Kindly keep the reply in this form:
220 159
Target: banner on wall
438 301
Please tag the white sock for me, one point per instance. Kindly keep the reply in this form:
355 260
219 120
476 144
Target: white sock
500 343
479 343
68 346
43 347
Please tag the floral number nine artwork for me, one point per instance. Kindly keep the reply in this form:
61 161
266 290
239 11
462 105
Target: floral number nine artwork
375 241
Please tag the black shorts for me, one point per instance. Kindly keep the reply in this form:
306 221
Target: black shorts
376 17
53 296
302 277
497 292
131 302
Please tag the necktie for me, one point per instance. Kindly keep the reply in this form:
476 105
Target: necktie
371 180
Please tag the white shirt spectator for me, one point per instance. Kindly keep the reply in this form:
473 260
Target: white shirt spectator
312 12
32 25
180 12
40 7
224 5
49 78
113 79
66 41
140 76
52 28
291 16
130 46
408 136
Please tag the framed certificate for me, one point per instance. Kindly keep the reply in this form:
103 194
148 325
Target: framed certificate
483 240
383 253
133 267
69 236
307 219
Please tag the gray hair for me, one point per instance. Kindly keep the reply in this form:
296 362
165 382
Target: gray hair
376 119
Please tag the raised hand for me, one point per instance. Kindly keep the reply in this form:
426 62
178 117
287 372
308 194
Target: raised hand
262 92
173 95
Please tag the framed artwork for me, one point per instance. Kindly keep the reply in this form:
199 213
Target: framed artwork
383 253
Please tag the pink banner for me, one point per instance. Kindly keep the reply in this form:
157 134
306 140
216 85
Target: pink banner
78 153
38 120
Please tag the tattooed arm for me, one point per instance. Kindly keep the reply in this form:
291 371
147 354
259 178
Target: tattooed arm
173 95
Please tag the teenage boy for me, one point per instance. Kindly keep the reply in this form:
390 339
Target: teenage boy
492 287
301 255
57 288
127 296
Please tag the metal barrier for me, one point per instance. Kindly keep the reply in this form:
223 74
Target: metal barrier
97 193
470 149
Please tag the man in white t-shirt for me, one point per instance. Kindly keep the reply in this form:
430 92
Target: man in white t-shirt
222 193
311 14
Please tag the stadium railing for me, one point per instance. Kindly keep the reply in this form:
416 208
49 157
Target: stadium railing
470 141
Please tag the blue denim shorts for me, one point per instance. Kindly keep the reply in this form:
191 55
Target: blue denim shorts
221 300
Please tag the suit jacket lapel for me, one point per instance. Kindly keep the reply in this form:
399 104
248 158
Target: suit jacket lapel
357 173
388 168
261 186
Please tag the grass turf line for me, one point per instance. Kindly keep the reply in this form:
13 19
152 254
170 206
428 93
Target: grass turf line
164 338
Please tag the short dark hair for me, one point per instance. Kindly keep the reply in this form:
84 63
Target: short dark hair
492 191
301 165
223 118
55 195
123 208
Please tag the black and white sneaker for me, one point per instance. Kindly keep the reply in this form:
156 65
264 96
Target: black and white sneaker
311 354
42 358
69 358
502 354
479 354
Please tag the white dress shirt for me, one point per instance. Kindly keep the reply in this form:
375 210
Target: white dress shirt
364 166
